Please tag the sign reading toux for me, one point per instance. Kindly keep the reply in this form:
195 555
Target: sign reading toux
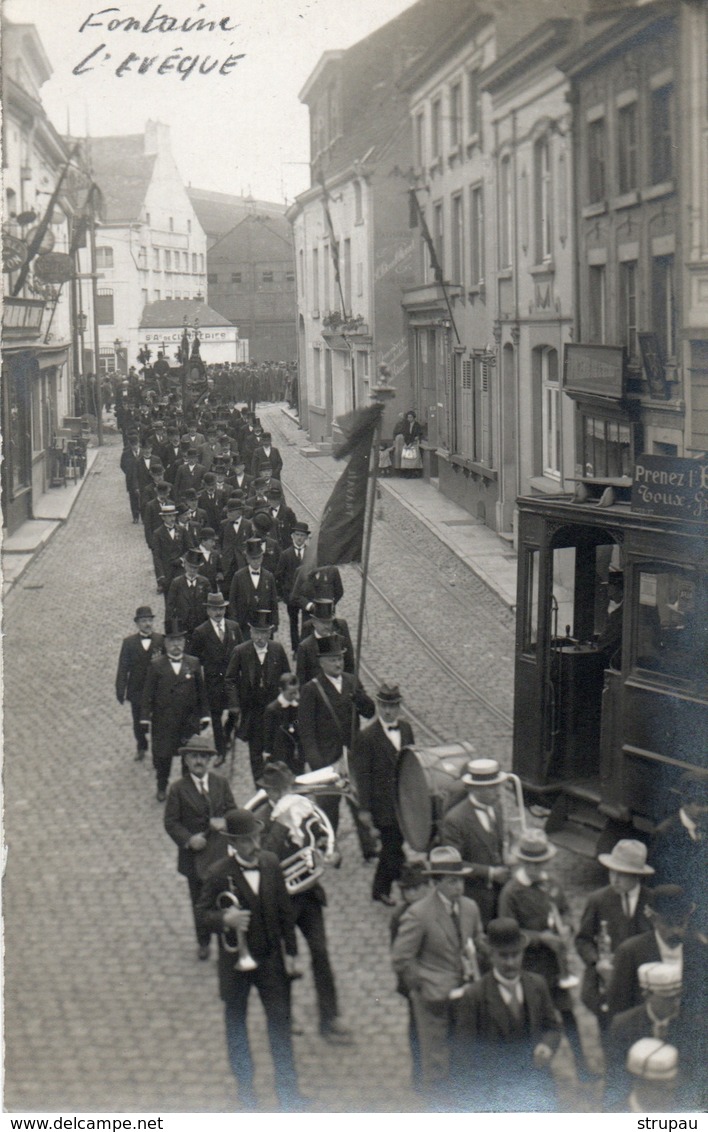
666 485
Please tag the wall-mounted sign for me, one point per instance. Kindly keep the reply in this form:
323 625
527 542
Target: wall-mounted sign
594 371
14 252
667 485
55 267
653 364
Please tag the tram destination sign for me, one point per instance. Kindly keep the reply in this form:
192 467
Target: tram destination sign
667 485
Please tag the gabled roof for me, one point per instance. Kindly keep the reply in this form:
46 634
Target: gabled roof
218 213
122 172
170 314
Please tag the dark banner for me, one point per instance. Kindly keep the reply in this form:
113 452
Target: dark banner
668 485
341 536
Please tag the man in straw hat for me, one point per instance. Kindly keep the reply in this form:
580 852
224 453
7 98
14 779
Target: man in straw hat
434 953
507 1032
262 910
194 813
621 907
653 1066
213 643
136 652
475 826
174 702
373 764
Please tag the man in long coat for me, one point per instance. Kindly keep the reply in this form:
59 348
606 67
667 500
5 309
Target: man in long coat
475 827
213 643
252 588
252 682
136 653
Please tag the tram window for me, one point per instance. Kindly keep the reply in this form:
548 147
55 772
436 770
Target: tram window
563 603
670 624
531 601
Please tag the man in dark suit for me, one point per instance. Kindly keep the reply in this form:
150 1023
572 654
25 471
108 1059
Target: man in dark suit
679 847
263 913
188 475
211 566
252 682
252 588
136 652
194 815
152 514
241 480
281 741
213 643
328 715
290 562
283 517
312 584
432 957
263 529
373 765
475 826
168 546
265 453
129 467
507 1033
211 502
621 907
234 534
668 941
174 704
321 623
187 595
143 465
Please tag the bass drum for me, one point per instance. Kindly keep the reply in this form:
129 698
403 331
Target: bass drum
428 784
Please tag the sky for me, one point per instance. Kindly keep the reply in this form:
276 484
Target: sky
238 132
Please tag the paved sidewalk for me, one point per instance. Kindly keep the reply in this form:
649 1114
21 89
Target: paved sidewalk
489 556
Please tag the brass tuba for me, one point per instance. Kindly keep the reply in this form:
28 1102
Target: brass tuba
245 961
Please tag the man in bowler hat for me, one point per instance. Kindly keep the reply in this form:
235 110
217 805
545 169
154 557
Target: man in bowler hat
194 815
263 913
136 652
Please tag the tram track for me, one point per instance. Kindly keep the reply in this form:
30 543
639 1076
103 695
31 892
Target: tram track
440 660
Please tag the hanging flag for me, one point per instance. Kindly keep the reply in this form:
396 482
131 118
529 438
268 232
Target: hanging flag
333 242
341 533
417 216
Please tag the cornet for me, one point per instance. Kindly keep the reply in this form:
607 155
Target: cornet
245 961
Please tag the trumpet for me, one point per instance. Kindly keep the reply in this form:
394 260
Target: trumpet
245 961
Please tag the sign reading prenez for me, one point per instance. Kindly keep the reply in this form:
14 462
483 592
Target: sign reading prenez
667 485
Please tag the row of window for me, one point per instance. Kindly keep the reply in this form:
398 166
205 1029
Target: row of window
454 116
662 313
643 146
105 310
171 223
361 369
237 277
327 294
170 258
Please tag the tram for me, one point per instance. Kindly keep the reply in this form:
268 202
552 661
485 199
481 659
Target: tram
611 680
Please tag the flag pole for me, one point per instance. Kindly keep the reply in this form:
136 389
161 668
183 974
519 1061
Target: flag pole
380 393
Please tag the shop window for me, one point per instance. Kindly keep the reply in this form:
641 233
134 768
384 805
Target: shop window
606 448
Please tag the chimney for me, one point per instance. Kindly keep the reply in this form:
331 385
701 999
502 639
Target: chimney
157 138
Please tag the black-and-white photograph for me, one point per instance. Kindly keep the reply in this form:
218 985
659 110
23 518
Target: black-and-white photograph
355 557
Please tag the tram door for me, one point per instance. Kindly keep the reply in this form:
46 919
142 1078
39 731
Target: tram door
571 636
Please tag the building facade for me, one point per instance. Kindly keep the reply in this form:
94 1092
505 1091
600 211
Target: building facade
354 250
150 246
37 364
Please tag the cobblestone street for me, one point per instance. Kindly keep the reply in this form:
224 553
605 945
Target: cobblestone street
106 1006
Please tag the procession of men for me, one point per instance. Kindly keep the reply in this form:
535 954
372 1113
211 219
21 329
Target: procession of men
245 658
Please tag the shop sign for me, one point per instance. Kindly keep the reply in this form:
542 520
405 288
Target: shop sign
667 485
594 371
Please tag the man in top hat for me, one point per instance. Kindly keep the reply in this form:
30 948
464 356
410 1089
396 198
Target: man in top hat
321 582
507 1032
283 517
174 704
290 562
537 902
136 652
434 953
189 474
241 480
152 515
172 454
321 623
264 912
373 764
252 681
235 533
168 547
196 514
476 827
328 716
621 907
295 822
253 587
265 453
213 643
669 940
281 739
658 1016
187 595
211 566
263 529
129 460
149 491
194 814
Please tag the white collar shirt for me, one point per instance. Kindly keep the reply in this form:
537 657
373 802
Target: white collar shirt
202 784
336 681
145 642
393 733
509 990
251 873
486 815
